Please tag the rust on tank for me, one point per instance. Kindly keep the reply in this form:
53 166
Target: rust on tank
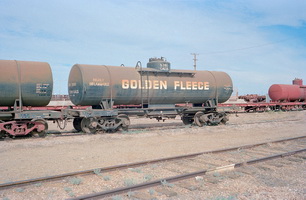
27 81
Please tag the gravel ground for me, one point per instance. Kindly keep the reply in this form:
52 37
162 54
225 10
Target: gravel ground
35 157
277 179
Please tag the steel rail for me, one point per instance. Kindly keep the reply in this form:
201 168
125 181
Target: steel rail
142 127
180 177
177 125
180 125
136 164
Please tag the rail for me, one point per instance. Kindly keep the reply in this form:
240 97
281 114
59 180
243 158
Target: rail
136 164
180 177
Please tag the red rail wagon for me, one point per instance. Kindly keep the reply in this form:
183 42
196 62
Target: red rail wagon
288 93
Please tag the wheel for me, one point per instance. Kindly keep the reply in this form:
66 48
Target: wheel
198 119
187 120
77 124
89 125
2 134
224 119
42 128
125 120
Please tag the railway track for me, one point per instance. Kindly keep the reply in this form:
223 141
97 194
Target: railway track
176 168
145 128
173 179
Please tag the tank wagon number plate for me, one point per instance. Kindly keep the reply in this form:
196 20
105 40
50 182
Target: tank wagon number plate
41 88
163 85
228 88
98 82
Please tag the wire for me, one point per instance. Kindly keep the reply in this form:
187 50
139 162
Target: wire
245 48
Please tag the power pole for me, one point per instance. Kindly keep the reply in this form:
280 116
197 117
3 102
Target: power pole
195 60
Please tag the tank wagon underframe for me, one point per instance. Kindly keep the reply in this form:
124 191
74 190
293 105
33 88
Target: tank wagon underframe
23 122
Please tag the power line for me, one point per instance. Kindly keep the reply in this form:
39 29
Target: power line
245 48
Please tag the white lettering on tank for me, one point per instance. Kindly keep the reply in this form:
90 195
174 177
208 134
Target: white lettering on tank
163 85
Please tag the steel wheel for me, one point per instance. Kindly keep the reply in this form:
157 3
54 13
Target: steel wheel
2 134
198 119
224 119
125 120
187 120
77 124
89 125
41 131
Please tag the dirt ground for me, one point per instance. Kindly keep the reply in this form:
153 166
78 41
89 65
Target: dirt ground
36 157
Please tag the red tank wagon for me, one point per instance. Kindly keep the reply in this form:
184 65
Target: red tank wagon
288 93
283 97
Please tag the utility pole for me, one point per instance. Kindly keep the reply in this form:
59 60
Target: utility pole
195 60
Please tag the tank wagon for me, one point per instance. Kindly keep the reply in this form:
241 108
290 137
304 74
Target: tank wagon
96 89
24 83
288 93
283 97
157 89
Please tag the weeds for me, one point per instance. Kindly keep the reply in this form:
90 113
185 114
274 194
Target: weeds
166 184
20 190
129 182
225 198
106 178
148 177
151 191
38 184
154 166
71 194
67 189
75 181
97 171
130 194
117 198
138 170
216 174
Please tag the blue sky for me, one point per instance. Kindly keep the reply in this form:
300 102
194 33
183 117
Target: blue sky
257 42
